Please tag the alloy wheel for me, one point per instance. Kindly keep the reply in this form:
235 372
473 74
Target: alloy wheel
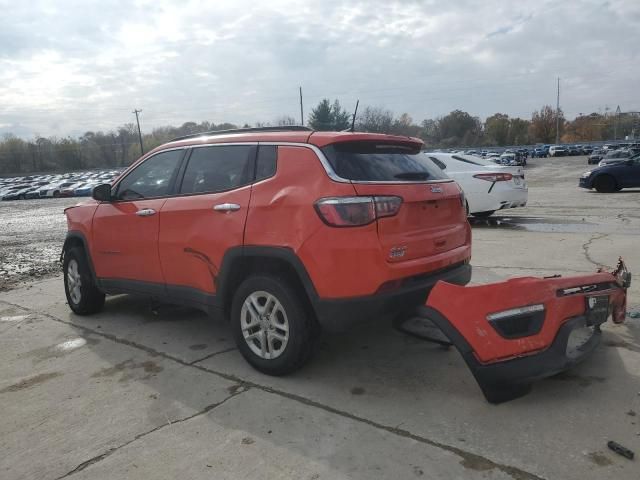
264 324
74 282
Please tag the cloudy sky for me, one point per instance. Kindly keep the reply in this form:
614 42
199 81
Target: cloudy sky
71 66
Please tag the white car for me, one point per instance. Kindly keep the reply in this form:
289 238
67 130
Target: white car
557 151
487 187
53 189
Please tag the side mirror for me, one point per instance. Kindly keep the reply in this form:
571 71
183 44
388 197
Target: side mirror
102 192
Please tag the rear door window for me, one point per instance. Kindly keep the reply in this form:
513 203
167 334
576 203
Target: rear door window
218 169
381 162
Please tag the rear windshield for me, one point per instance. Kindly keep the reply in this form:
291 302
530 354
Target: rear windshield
380 162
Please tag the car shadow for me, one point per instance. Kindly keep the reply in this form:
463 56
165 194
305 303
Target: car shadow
625 190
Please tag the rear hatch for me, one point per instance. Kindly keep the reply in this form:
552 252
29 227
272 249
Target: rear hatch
431 218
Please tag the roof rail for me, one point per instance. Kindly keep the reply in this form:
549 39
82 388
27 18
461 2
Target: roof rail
285 128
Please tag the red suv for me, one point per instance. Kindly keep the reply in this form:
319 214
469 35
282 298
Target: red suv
283 232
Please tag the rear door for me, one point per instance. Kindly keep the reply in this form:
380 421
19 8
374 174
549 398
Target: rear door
431 218
206 218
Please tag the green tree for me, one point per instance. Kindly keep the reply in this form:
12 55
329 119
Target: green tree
459 128
496 128
518 132
321 118
341 118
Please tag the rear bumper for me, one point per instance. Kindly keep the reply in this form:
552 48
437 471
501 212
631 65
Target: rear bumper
337 315
553 360
499 198
509 379
515 332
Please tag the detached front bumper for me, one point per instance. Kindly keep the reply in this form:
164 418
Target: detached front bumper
515 332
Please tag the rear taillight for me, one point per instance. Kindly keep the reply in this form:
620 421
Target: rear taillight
356 211
387 206
494 177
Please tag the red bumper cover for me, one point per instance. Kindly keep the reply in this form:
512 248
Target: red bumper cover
513 332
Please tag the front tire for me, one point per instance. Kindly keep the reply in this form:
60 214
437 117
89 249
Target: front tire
605 184
83 296
272 326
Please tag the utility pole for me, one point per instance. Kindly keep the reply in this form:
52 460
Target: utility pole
301 112
558 115
136 111
615 124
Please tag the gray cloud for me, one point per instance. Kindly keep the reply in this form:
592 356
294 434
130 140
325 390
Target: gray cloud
67 66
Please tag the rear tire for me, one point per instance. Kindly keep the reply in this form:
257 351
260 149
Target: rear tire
83 296
605 184
272 326
483 214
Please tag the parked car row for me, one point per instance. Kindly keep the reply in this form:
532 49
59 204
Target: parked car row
548 150
75 184
603 157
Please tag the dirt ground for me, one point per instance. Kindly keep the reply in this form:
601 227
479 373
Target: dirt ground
31 236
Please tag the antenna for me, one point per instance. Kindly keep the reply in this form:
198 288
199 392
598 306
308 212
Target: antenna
355 112
301 113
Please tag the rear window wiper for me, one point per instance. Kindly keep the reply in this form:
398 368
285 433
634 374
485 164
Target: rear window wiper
412 176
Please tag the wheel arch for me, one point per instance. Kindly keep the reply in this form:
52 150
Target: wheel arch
240 262
77 239
604 175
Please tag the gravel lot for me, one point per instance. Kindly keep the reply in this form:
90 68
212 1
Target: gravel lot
31 238
142 391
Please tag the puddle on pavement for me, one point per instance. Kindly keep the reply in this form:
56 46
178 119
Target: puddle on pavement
540 224
71 344
14 318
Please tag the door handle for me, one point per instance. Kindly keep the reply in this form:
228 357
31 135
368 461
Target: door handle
146 212
226 207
